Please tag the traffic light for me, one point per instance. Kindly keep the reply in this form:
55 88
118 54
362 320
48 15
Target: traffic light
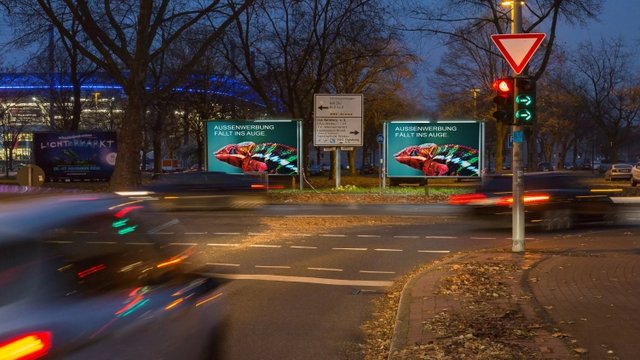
503 100
525 101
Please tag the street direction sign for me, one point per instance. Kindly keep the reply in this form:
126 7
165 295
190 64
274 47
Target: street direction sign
337 120
518 49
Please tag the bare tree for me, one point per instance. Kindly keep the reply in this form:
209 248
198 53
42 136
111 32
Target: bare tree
461 20
123 40
612 92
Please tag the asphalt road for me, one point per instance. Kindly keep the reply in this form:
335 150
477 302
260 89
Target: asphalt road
302 278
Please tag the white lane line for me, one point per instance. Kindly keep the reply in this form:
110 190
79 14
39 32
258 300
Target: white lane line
482 238
196 233
406 236
439 237
368 236
303 279
59 242
164 233
84 232
183 244
273 267
435 251
333 235
349 249
223 264
390 250
257 234
226 233
139 243
223 245
301 235
265 246
102 242
303 247
324 269
376 272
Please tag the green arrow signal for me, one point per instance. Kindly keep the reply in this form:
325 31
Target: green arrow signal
524 115
525 100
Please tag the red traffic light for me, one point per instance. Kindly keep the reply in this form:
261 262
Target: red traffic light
503 86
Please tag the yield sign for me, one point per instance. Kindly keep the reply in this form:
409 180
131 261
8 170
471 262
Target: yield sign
518 49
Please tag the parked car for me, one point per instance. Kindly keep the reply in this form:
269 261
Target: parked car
545 166
635 174
618 171
85 276
205 190
552 201
603 167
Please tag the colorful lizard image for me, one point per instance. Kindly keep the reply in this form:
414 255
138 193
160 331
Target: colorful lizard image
272 158
440 160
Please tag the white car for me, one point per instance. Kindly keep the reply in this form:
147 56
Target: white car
618 171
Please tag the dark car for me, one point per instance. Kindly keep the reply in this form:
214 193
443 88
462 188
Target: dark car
552 201
545 166
88 277
205 191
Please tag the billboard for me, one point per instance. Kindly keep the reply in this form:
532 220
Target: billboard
434 148
75 156
243 146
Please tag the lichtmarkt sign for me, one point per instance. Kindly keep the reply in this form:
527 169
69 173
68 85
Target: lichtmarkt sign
244 146
434 148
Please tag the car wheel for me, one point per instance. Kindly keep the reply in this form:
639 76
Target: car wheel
553 220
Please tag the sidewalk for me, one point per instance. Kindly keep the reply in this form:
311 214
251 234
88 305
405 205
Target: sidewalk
571 297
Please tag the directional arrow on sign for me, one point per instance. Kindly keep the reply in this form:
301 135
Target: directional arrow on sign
322 107
518 49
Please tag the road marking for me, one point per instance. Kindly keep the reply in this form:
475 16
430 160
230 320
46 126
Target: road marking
324 269
265 246
164 233
226 233
368 236
257 234
230 245
102 242
184 244
139 243
59 242
350 249
376 272
435 251
223 264
388 250
272 267
405 236
333 235
482 238
302 235
303 279
439 237
303 247
196 233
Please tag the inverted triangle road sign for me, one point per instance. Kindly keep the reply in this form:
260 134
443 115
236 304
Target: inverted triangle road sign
518 49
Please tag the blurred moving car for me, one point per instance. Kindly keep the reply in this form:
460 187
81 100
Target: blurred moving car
205 190
618 171
552 201
87 277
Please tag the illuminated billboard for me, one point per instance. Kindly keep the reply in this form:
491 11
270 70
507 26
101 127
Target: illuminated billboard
434 148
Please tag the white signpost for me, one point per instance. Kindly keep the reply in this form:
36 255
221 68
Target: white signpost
337 122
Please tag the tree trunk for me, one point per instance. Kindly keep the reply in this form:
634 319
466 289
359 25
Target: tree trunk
127 173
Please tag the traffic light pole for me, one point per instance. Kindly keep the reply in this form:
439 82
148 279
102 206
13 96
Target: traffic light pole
517 211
